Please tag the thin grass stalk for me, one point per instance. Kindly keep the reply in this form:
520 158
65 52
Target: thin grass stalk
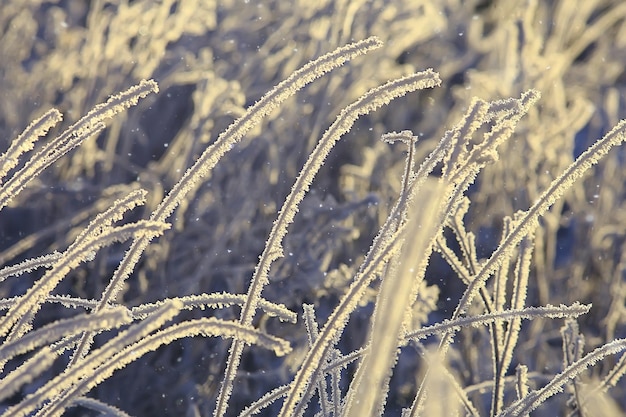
22 312
529 220
57 387
131 352
369 386
25 141
536 398
209 158
518 300
372 100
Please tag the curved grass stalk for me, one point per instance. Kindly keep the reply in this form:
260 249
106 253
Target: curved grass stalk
529 313
528 221
371 382
267 399
201 301
89 125
23 311
26 141
219 300
207 327
26 372
29 265
367 103
209 158
518 300
99 406
38 163
86 367
108 319
533 400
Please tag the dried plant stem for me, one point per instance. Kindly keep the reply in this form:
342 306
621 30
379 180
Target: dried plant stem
55 388
99 406
89 125
23 311
536 398
395 295
209 158
518 300
370 101
26 372
527 222
25 142
110 318
528 313
199 327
